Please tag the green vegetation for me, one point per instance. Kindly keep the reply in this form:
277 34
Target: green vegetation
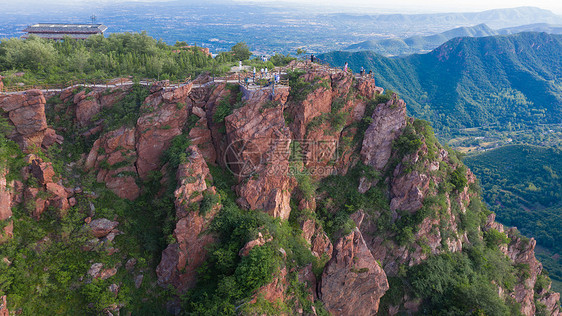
241 51
343 199
118 55
523 186
227 280
49 265
454 283
462 84
126 111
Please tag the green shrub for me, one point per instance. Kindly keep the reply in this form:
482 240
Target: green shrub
458 178
208 202
495 238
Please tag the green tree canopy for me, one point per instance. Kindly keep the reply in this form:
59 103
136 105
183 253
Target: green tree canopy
241 51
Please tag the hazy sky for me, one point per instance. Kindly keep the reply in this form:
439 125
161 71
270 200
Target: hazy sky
409 6
434 5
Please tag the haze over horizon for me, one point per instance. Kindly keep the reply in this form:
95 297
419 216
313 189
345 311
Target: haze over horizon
372 6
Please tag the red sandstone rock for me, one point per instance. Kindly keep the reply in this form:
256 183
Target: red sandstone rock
181 260
116 147
107 273
42 171
6 197
260 241
275 290
162 121
258 153
3 303
101 227
87 107
201 136
388 121
352 282
51 138
27 113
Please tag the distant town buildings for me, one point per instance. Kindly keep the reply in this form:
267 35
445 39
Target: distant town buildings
60 31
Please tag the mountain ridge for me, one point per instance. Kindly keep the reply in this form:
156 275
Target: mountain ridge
467 82
119 208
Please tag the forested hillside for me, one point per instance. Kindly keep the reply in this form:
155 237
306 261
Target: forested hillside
507 82
523 185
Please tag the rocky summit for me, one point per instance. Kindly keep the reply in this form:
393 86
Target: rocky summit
318 196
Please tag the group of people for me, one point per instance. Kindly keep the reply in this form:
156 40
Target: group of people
362 72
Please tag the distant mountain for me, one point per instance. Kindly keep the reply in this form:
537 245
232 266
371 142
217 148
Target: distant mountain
496 19
535 27
416 44
469 82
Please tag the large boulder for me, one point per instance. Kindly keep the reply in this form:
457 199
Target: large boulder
101 227
352 281
26 112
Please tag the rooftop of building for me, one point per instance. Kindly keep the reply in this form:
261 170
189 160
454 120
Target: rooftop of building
54 28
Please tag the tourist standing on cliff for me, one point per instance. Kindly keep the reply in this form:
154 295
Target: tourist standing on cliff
345 67
312 58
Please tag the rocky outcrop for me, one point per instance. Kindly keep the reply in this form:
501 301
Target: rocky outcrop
409 188
388 120
87 103
366 88
258 153
102 227
352 282
3 302
51 138
316 103
49 190
201 136
320 244
165 114
181 259
260 241
6 197
522 252
114 156
26 112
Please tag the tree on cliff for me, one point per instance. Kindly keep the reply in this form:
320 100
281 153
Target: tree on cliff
241 51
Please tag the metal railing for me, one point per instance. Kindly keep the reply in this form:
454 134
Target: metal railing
94 83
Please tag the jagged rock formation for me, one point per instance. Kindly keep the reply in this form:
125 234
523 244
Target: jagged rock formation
263 139
6 193
114 155
388 122
352 269
166 113
181 260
